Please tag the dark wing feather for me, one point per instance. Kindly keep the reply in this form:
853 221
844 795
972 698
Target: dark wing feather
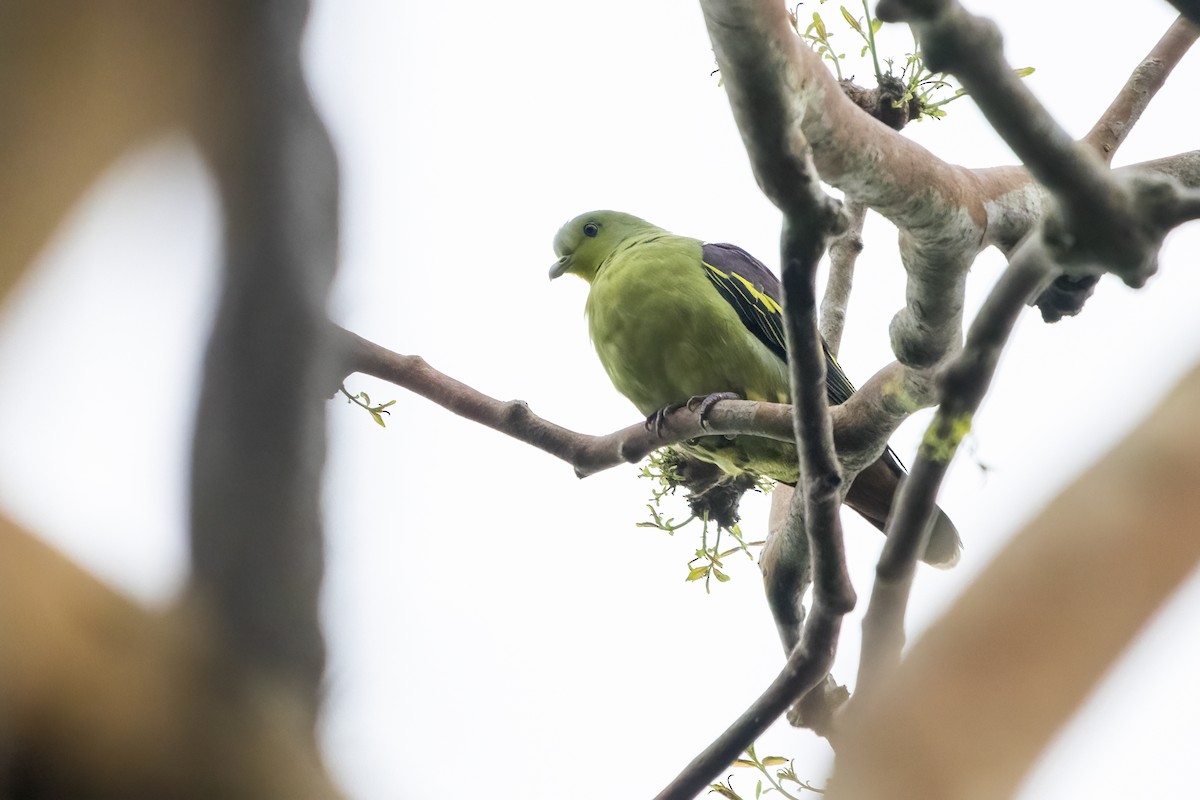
756 294
752 289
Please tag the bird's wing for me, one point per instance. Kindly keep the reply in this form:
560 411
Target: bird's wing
755 294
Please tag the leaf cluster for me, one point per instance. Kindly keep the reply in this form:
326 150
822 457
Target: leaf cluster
925 92
712 499
777 781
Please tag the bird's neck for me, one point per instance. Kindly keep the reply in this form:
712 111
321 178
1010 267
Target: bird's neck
634 240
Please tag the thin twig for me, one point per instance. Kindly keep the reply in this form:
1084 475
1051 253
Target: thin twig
804 669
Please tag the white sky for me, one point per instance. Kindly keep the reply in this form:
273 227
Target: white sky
497 627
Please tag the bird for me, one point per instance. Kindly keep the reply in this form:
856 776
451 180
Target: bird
675 319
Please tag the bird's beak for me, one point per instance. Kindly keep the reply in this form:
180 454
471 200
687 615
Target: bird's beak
560 267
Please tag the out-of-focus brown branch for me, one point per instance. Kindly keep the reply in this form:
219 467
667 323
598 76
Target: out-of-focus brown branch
257 549
1118 120
102 699
1128 522
99 698
81 82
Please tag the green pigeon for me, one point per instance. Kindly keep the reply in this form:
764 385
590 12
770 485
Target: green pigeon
673 318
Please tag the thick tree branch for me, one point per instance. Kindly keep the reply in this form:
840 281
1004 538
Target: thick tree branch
100 698
1118 120
119 72
257 548
1014 205
1100 225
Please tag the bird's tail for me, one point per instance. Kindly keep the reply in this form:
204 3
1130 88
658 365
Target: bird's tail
872 494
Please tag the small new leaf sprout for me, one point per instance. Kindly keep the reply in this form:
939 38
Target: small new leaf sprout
927 91
817 35
724 790
776 781
363 400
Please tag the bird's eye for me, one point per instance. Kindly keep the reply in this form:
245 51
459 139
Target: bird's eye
591 229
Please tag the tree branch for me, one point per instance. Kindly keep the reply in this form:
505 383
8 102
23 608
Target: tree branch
1126 109
101 698
843 254
883 625
586 453
1100 216
257 548
1158 204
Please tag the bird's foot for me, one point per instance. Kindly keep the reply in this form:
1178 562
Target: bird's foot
704 404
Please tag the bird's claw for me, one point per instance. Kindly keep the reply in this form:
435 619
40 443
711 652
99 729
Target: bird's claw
659 418
704 404
701 403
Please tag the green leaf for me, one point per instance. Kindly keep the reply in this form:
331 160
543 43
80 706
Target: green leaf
876 24
724 791
819 24
852 21
1023 72
375 415
721 576
742 762
366 398
385 405
774 761
698 573
758 791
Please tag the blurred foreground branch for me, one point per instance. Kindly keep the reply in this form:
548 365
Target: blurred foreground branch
1039 628
217 698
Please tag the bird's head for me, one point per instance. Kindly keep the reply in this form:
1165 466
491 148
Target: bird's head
584 243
